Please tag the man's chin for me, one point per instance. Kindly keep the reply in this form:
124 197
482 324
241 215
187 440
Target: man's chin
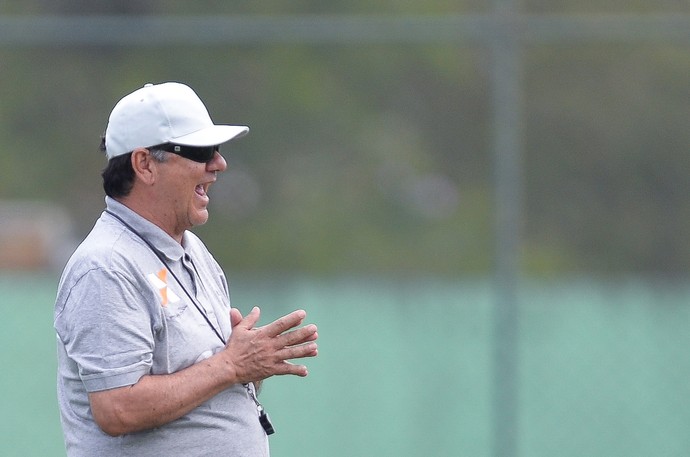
200 218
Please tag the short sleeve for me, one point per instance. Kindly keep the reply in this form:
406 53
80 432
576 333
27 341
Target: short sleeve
106 326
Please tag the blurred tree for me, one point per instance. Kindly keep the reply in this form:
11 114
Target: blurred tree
376 157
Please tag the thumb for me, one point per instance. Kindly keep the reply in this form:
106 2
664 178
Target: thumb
235 317
252 318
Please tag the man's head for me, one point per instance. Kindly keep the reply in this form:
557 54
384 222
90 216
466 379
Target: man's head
163 154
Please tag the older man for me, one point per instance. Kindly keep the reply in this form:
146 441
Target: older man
152 360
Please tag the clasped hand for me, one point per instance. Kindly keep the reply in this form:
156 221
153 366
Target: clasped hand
257 353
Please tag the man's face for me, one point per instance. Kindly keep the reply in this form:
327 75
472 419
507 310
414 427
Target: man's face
183 191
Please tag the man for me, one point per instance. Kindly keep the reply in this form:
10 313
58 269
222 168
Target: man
152 360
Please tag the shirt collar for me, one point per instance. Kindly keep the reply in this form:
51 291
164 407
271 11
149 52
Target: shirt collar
156 236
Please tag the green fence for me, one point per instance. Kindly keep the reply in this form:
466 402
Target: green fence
405 368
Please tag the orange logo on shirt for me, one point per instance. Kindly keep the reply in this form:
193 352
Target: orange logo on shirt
162 275
160 282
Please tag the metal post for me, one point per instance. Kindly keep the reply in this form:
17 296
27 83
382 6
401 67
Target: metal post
506 86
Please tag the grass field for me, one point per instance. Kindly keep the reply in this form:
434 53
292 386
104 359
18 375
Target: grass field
405 368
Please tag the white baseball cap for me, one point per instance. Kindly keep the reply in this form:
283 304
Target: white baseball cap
170 112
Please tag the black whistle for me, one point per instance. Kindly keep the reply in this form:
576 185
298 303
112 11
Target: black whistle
265 422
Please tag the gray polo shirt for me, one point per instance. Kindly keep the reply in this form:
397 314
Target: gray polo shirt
120 315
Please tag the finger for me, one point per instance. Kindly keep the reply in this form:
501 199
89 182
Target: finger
251 319
299 352
287 368
299 336
284 323
235 317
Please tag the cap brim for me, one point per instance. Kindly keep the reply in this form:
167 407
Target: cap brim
212 135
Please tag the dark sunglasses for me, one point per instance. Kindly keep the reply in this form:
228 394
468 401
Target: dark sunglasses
201 154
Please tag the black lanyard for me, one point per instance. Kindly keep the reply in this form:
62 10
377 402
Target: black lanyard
197 305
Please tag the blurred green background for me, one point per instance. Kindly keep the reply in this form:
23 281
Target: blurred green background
404 368
366 194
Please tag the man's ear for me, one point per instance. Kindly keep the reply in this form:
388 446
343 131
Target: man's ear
145 167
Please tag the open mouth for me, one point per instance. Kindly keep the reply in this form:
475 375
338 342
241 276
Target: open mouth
201 190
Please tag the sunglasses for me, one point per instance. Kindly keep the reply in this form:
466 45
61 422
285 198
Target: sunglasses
201 154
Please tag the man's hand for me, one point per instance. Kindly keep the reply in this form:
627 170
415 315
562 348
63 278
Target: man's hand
256 353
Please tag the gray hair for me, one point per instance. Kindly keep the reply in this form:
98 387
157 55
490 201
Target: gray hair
158 155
